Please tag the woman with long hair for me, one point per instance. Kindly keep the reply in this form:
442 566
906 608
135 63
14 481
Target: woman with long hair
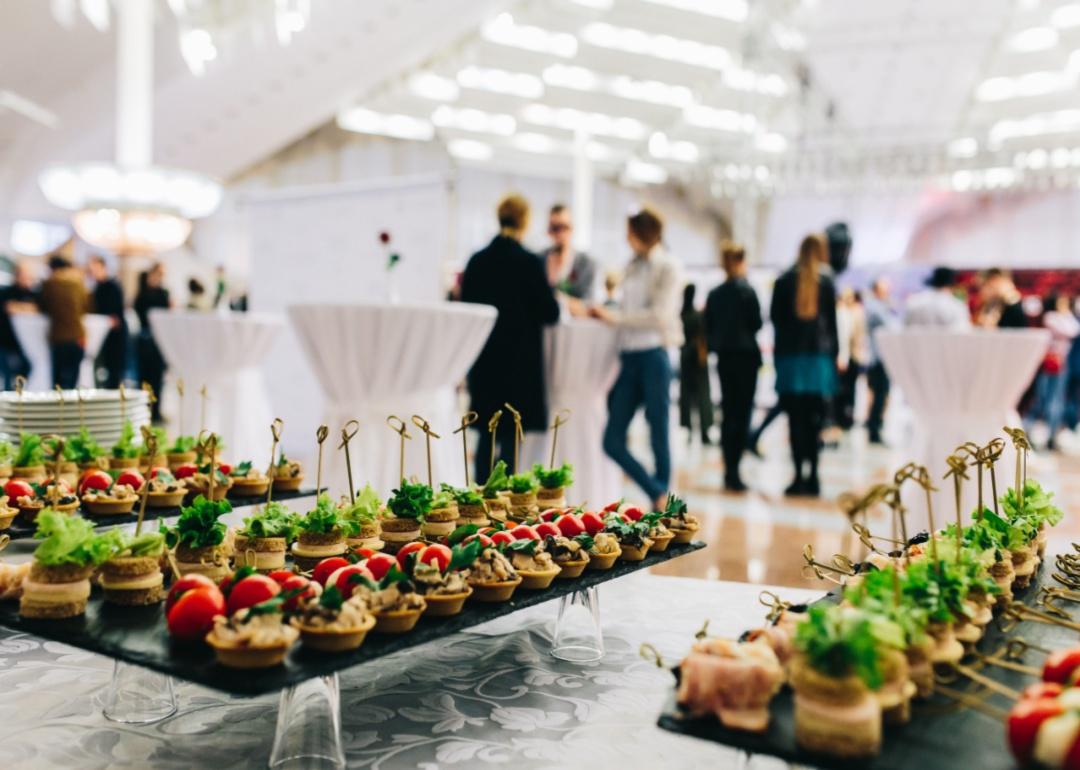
803 314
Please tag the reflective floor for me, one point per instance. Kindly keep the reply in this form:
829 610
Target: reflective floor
759 536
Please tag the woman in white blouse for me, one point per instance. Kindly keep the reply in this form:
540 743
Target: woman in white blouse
647 317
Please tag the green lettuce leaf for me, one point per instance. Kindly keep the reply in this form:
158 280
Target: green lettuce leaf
72 540
554 478
497 481
272 520
31 451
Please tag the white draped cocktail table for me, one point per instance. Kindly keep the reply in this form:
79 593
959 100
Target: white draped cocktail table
374 360
224 352
32 331
962 386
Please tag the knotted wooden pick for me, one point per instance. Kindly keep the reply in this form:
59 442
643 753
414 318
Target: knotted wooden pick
1021 445
123 403
208 445
493 425
5 540
401 429
320 436
347 432
151 397
150 442
519 433
82 415
988 456
58 454
958 470
275 432
921 476
20 383
467 419
561 418
815 569
180 408
423 425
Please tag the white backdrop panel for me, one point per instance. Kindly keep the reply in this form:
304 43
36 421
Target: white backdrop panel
320 245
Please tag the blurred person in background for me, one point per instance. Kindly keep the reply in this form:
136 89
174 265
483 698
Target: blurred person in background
510 368
879 315
152 294
18 297
1050 382
611 288
569 271
221 288
803 313
65 301
1002 304
732 321
108 300
853 356
198 299
647 319
694 391
938 305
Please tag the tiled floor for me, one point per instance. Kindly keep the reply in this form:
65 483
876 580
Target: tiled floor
759 536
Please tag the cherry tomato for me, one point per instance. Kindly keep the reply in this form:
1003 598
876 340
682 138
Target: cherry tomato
551 514
1024 721
524 532
189 583
439 555
305 588
98 480
633 513
254 589
546 529
345 578
379 564
163 472
132 478
499 538
16 488
185 471
613 507
405 550
570 525
279 576
1061 666
225 468
485 541
592 522
1042 690
328 567
192 616
1072 757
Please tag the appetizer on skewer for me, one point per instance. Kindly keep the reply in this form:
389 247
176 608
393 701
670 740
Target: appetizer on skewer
12 577
159 460
69 469
364 513
248 481
442 517
523 501
132 576
125 452
288 475
553 483
321 533
104 496
197 480
199 538
58 584
264 538
470 505
29 460
404 514
735 681
497 484
31 498
86 452
165 491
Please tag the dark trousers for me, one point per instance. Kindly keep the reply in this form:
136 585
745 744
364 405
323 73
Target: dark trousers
66 359
112 360
844 403
695 395
644 380
504 449
878 381
151 369
14 364
806 416
738 383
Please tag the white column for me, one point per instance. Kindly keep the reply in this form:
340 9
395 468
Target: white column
582 192
134 82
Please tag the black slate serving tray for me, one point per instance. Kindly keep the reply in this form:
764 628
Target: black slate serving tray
138 635
20 530
941 734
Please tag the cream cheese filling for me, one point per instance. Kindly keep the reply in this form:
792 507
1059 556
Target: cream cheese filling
56 593
153 580
333 549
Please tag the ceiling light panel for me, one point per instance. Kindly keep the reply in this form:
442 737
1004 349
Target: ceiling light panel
593 123
704 116
732 10
501 81
428 85
470 149
473 120
1033 39
660 46
503 30
365 121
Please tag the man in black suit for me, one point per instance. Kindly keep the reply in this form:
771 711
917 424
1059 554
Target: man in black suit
108 299
510 368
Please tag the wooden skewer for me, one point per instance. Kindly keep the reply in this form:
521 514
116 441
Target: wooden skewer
401 429
202 409
493 425
123 403
958 470
320 436
347 432
275 432
58 453
519 433
20 383
180 416
82 415
423 425
60 395
561 418
150 442
466 420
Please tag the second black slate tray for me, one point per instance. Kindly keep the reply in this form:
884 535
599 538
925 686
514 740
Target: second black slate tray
940 736
138 635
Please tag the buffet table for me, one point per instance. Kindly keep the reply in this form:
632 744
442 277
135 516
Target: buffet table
32 330
492 696
961 386
222 351
374 360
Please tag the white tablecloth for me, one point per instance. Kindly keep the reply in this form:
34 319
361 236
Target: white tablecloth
32 330
962 386
224 352
375 360
581 360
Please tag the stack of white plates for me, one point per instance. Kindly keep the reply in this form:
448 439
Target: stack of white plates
46 413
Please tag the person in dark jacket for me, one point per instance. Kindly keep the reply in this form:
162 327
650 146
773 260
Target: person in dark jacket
732 321
694 391
19 297
510 368
152 294
108 299
803 314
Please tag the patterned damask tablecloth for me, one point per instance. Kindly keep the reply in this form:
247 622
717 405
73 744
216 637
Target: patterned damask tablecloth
491 697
